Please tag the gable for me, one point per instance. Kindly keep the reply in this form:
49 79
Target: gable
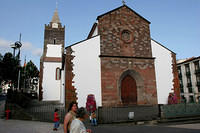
124 6
124 33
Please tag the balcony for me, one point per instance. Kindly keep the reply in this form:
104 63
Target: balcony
188 73
189 85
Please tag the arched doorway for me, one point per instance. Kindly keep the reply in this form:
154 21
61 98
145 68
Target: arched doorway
128 90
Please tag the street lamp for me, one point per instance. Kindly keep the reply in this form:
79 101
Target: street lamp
17 45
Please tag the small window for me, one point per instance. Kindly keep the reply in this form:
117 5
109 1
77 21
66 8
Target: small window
187 68
189 80
179 70
191 99
58 73
196 65
198 78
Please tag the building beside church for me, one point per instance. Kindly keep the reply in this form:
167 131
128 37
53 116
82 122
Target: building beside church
118 63
189 77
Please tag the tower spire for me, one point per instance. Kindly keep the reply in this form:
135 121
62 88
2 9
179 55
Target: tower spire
56 18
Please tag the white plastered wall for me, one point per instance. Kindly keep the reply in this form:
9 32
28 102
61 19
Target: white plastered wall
51 86
54 50
87 79
164 72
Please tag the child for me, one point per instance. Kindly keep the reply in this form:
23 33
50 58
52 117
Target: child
56 120
93 119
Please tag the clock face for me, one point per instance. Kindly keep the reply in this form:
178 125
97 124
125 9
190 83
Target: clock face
54 25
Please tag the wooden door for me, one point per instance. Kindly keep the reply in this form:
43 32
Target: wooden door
128 90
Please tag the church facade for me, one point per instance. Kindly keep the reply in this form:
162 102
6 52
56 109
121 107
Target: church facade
118 63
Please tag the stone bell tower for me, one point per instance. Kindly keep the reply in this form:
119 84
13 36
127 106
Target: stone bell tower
51 60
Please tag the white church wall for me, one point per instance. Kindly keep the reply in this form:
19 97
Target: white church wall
87 70
54 50
95 32
164 73
51 86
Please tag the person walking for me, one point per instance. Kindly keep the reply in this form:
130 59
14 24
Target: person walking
70 116
93 119
77 125
56 120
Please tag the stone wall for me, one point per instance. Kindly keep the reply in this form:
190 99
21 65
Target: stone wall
120 114
70 90
126 47
112 25
176 84
143 72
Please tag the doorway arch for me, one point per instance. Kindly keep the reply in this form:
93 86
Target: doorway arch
130 84
128 90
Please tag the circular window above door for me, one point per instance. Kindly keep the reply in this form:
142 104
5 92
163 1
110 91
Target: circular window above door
126 36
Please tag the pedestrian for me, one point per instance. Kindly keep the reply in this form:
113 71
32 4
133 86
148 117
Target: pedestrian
56 120
70 116
93 119
77 125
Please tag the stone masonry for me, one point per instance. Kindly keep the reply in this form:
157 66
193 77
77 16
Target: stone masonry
126 49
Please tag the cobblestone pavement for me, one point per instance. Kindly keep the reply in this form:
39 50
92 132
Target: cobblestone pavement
18 126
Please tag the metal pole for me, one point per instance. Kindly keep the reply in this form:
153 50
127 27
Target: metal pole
18 80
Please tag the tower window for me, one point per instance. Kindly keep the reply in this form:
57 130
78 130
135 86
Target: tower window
58 73
54 41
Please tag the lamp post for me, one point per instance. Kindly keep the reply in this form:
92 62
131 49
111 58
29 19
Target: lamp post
17 45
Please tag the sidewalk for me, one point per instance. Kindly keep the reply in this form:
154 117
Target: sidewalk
18 126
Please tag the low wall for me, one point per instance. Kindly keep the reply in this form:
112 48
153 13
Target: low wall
179 110
43 113
46 112
120 114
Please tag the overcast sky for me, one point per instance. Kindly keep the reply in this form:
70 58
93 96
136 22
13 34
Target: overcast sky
174 23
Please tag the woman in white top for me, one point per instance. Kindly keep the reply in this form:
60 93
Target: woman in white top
77 125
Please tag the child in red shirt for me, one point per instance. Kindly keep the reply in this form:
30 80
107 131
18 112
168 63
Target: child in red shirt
56 120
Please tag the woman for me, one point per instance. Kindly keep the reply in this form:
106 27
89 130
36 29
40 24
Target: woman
77 125
70 116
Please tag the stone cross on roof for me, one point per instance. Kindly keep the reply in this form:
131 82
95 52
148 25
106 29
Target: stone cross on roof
123 2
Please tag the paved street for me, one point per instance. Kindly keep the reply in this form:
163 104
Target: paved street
18 126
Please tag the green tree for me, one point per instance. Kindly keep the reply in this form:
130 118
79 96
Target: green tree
28 72
10 68
31 70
